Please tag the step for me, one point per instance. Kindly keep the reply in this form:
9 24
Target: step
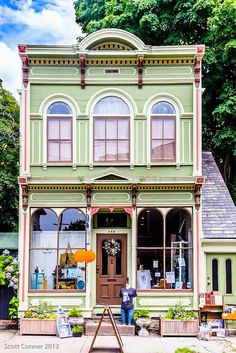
106 329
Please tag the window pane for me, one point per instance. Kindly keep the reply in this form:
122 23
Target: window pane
169 150
53 151
169 128
111 105
99 128
44 219
111 150
123 150
157 149
150 228
44 239
65 129
228 276
104 259
65 151
69 276
123 129
111 128
215 275
42 264
118 260
53 129
59 108
163 108
99 151
178 228
150 271
72 219
157 128
178 268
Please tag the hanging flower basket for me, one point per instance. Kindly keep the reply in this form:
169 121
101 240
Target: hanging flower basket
112 247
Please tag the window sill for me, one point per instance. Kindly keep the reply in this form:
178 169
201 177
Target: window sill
147 292
56 292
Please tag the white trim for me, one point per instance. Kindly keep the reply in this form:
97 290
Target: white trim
43 111
111 34
147 111
89 111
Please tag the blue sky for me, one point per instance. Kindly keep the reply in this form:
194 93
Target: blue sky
32 22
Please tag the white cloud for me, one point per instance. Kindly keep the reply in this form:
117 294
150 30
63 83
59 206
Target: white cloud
53 24
10 68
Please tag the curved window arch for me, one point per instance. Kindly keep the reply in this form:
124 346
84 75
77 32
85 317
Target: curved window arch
163 132
111 119
59 132
228 277
150 228
53 241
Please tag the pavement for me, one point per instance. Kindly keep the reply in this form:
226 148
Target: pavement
12 342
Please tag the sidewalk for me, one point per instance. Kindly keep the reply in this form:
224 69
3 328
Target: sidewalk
12 342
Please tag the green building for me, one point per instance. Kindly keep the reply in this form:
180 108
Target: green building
111 160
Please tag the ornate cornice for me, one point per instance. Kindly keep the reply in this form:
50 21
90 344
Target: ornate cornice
127 187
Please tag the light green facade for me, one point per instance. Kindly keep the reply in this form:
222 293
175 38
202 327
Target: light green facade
161 185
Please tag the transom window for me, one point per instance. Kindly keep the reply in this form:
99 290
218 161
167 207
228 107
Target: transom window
163 132
59 127
111 130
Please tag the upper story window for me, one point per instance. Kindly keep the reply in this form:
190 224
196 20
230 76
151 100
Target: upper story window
163 132
111 130
59 127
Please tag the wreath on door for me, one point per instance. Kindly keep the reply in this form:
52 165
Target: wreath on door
112 247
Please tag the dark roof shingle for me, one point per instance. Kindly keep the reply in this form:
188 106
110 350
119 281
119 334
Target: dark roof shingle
218 209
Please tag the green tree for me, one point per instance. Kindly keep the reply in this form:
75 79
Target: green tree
9 157
167 22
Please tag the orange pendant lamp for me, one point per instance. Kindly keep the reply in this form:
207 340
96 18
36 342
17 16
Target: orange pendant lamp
82 255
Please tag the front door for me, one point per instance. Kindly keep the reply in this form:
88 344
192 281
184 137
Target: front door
111 270
220 275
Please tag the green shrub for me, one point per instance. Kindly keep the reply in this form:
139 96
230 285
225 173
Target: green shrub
74 312
179 312
185 350
141 313
78 329
43 310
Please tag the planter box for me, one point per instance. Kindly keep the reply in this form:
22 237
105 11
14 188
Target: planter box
179 327
38 326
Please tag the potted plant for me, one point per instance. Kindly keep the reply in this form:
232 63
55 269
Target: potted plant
179 321
39 320
77 330
142 320
75 317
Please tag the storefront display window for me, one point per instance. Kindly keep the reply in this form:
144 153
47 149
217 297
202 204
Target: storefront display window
53 242
164 250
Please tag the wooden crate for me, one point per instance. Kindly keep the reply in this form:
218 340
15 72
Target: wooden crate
38 326
179 327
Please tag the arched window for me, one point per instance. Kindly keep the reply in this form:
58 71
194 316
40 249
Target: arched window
215 285
111 130
59 132
53 242
228 283
163 132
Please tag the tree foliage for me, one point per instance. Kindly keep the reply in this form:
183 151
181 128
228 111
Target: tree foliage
169 22
9 157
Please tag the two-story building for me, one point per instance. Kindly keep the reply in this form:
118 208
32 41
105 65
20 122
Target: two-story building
111 160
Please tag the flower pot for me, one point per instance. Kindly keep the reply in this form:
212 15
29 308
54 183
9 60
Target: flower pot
76 321
143 323
172 327
38 326
77 334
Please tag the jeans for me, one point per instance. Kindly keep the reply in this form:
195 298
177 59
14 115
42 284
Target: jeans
127 316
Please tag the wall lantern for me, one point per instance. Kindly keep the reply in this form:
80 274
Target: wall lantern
82 255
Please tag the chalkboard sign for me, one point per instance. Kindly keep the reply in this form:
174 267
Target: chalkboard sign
114 326
63 326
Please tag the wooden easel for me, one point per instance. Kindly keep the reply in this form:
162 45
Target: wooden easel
114 326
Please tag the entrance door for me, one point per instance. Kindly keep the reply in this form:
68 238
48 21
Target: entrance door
220 275
111 270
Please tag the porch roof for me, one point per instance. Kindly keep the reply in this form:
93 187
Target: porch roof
218 209
9 241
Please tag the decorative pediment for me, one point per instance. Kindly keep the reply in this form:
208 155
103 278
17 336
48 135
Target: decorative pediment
111 45
111 39
109 175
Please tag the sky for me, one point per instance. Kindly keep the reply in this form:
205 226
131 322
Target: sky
32 22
